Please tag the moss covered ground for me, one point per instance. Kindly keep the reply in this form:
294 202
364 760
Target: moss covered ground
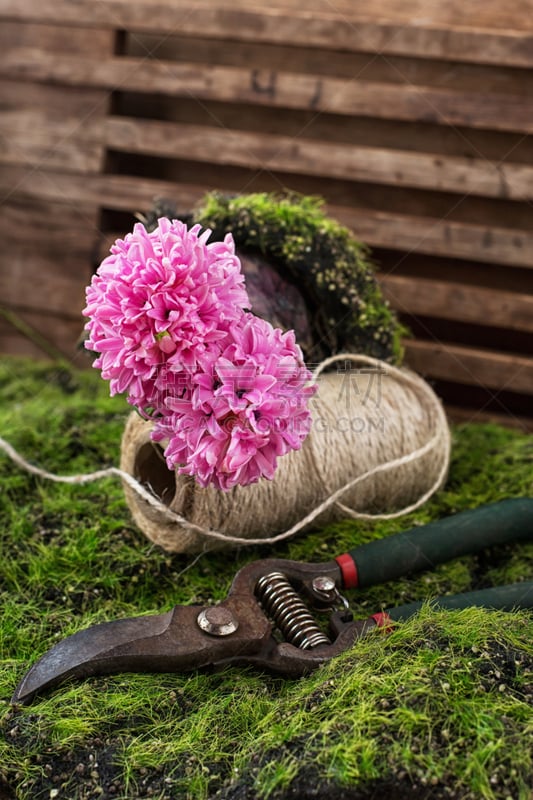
439 708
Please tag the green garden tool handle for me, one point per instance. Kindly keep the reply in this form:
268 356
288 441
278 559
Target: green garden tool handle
505 598
422 548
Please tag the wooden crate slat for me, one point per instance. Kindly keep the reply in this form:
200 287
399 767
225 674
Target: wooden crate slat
45 128
495 111
333 63
31 280
35 138
460 302
62 334
452 270
466 416
118 192
422 33
48 261
36 273
471 366
511 247
52 128
453 13
51 38
411 68
54 227
57 101
309 157
438 236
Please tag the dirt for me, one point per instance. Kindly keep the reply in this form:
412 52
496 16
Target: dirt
86 774
309 787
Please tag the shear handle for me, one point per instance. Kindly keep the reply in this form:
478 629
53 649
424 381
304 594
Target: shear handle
424 547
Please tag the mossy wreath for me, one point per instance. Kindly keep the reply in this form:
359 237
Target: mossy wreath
330 267
305 271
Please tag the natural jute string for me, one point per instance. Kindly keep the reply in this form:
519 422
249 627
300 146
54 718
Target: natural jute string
411 411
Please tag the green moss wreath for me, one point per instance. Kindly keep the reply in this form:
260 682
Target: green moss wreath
327 263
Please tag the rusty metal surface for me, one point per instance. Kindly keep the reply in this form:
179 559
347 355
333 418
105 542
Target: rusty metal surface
175 642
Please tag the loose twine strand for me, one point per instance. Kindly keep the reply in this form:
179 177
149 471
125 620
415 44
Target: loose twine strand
441 438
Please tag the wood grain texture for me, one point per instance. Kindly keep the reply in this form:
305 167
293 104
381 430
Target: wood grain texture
293 154
471 366
439 236
369 66
62 334
49 261
400 231
118 192
57 101
460 302
407 102
54 39
412 118
476 416
39 139
32 282
462 32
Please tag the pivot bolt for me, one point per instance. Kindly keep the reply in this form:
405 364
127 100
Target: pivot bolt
217 620
324 585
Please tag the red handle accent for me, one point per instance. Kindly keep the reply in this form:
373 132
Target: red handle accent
383 620
350 578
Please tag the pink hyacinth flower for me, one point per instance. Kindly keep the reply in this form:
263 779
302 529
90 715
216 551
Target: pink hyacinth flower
158 304
244 412
228 393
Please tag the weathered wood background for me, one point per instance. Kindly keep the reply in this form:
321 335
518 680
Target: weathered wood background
413 119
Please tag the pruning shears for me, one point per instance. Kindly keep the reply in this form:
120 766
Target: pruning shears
268 618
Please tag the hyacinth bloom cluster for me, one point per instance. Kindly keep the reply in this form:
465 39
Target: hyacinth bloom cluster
161 298
235 419
168 318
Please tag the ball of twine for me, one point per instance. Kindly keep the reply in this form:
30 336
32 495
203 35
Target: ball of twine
379 447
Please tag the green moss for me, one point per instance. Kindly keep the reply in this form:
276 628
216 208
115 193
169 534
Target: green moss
331 268
366 716
443 702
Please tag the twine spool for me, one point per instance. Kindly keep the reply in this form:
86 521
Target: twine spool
378 448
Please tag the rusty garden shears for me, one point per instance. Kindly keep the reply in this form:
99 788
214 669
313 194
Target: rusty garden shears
268 617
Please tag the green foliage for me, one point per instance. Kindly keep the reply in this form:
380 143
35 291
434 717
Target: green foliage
443 701
331 268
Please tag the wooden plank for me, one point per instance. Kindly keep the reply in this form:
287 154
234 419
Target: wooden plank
38 139
417 266
456 301
406 102
55 39
30 282
49 255
333 63
475 416
52 225
38 128
464 13
423 34
505 246
354 131
470 366
52 334
118 192
58 101
440 237
290 154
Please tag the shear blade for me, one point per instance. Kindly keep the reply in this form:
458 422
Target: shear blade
151 643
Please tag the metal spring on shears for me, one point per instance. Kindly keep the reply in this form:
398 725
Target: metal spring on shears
284 606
